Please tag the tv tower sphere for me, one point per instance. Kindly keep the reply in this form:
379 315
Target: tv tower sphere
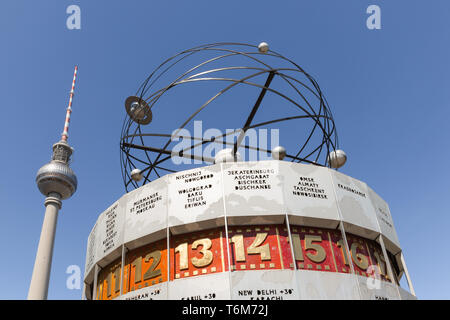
56 176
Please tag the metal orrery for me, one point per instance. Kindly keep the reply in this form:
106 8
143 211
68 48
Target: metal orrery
57 176
224 85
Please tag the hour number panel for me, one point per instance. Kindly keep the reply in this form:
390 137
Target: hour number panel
313 249
359 251
257 248
379 263
198 253
341 257
368 258
108 283
146 266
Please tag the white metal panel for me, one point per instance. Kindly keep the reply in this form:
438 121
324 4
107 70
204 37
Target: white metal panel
309 195
205 287
195 196
110 230
264 285
372 289
90 254
385 221
355 206
156 292
146 210
318 285
253 189
405 295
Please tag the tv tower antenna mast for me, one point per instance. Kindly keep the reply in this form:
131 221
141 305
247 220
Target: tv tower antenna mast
57 181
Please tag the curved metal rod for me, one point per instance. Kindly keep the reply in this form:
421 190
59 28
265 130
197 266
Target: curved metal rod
233 52
215 140
207 47
142 141
227 88
230 53
283 76
252 126
255 85
328 127
204 106
189 52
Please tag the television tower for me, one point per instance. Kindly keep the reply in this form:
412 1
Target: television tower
57 181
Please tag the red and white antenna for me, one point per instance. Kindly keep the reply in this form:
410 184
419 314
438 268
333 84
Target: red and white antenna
65 133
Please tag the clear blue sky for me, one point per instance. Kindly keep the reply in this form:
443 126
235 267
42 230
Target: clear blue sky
389 91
